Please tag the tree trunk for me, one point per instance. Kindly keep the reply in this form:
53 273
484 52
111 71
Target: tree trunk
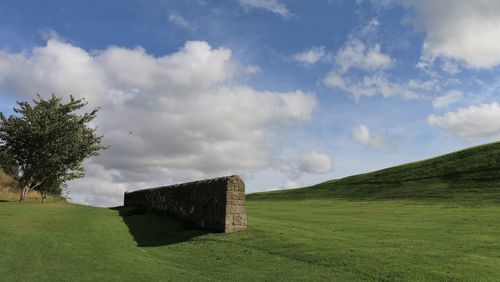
43 196
24 194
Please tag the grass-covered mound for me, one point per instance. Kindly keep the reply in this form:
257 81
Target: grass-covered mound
472 174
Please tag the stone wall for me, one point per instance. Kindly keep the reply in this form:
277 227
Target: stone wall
214 204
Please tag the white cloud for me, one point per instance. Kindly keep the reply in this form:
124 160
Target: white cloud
472 122
275 6
99 188
315 162
369 85
369 29
355 54
448 99
423 85
466 31
178 117
290 184
181 21
307 162
360 70
363 135
450 66
310 56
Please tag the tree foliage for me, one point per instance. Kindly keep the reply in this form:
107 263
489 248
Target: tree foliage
7 163
49 140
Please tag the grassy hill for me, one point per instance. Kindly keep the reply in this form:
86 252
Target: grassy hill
357 228
473 173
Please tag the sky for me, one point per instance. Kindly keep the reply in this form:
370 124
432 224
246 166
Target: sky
285 93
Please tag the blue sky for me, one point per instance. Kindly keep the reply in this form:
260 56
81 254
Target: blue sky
284 93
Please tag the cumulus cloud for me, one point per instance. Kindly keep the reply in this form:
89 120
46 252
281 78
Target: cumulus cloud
181 21
463 31
100 188
447 99
310 56
363 135
471 122
172 118
275 6
315 162
305 163
356 55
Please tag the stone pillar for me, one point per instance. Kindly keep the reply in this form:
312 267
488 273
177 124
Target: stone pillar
236 214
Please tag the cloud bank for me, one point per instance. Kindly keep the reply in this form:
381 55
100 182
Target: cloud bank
177 117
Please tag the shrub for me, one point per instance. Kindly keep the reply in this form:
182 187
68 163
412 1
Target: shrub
6 181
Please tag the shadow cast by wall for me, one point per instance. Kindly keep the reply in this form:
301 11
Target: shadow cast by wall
153 230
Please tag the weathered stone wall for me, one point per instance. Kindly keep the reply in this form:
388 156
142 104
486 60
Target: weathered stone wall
214 204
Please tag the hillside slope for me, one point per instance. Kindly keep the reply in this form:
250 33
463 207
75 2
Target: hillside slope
467 174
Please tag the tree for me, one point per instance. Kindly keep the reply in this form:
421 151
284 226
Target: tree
7 163
49 141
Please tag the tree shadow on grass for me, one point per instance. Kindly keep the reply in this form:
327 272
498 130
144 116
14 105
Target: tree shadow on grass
153 230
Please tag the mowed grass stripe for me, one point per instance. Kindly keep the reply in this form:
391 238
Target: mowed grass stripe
287 240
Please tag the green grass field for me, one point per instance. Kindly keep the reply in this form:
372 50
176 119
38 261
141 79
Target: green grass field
405 223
